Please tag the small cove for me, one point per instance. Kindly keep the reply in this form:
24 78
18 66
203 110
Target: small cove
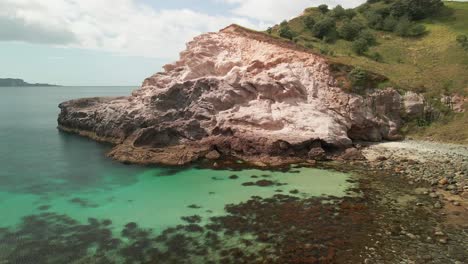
54 176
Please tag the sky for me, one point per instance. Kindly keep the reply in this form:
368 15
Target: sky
119 42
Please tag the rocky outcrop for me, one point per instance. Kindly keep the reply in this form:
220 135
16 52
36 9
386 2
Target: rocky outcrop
456 103
241 93
414 104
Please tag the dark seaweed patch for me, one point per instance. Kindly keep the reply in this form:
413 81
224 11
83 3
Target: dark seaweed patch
193 228
54 238
192 219
43 207
262 183
83 202
169 171
106 222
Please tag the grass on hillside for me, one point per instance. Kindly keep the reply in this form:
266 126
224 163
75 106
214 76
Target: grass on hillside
433 63
452 129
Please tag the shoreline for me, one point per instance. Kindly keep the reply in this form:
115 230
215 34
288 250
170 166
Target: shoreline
437 170
411 153
443 167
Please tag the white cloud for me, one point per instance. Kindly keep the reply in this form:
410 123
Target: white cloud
16 25
121 26
275 11
129 27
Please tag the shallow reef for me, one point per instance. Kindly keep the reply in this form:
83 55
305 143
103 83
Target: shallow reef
280 229
367 226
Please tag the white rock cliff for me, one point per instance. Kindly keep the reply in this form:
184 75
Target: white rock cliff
238 92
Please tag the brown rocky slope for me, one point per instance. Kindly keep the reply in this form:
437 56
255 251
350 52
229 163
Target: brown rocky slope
236 93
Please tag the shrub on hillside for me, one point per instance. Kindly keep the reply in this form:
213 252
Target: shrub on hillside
368 37
417 30
363 8
403 27
384 11
358 78
463 41
374 20
324 27
309 22
350 13
360 46
406 28
389 23
416 9
338 12
349 30
286 32
323 9
331 36
399 15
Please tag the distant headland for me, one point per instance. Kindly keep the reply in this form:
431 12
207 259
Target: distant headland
10 82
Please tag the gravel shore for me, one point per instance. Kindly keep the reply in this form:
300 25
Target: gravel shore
443 165
419 192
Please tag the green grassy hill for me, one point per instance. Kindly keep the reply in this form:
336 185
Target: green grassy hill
433 63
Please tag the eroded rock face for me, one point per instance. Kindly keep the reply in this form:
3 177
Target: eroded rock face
241 93
414 104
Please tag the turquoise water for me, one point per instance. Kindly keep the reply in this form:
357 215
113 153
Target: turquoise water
46 171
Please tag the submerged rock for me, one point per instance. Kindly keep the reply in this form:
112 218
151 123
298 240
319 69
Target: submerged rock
240 92
260 183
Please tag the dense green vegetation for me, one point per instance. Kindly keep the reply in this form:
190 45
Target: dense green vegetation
420 45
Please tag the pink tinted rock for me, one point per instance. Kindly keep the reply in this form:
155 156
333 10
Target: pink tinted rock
241 91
